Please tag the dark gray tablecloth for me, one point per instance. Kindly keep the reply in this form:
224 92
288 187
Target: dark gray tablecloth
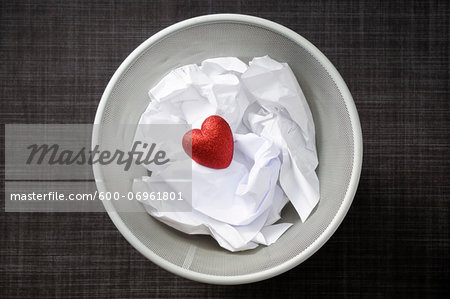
57 57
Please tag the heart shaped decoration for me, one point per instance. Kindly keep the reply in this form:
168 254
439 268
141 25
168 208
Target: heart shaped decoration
211 146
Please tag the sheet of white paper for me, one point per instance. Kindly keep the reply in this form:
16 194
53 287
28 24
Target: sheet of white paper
274 142
282 114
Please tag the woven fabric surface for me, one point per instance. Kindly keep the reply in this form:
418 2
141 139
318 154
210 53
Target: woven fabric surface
57 57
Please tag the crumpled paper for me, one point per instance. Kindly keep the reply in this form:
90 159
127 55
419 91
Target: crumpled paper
275 155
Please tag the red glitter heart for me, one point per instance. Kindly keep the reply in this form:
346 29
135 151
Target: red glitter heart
211 146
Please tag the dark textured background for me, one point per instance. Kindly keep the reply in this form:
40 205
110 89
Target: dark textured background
57 57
